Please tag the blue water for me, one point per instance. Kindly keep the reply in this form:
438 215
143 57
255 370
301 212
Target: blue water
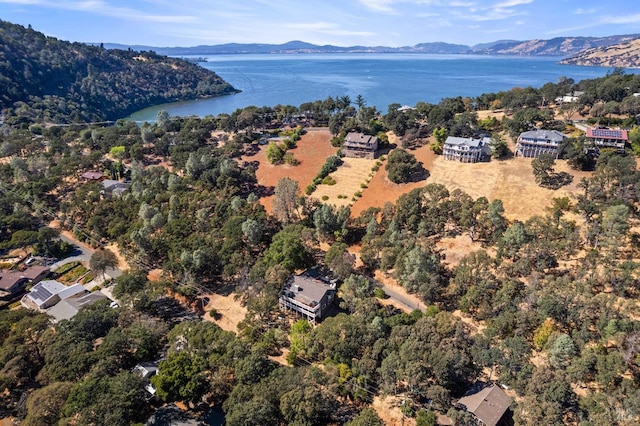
382 79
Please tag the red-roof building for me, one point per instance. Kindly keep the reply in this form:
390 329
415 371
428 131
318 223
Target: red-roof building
608 138
93 176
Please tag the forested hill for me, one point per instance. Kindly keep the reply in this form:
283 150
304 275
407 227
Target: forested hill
74 81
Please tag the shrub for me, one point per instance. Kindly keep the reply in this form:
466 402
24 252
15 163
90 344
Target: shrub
328 180
290 159
310 188
379 293
325 197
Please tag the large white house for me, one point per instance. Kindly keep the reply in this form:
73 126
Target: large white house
466 150
534 143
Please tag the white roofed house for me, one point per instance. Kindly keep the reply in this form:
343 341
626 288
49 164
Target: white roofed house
359 145
58 300
466 150
534 143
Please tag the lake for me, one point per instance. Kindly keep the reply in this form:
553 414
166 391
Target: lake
382 79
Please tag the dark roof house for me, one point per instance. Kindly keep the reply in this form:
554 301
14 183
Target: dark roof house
12 283
488 405
359 145
308 294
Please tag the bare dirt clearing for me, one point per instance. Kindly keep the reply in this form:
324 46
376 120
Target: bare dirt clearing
311 151
380 189
230 311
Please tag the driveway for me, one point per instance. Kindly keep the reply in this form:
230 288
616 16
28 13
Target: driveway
82 253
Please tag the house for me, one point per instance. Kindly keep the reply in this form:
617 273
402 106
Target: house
309 294
93 176
47 293
359 145
569 97
534 143
113 188
466 150
68 307
58 300
147 370
12 283
603 137
489 405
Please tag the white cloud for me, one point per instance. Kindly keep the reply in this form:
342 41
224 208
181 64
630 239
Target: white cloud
511 3
626 19
581 11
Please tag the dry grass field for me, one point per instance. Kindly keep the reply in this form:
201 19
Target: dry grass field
509 180
349 177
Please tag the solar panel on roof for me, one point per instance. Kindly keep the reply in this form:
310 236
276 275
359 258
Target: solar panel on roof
41 293
607 133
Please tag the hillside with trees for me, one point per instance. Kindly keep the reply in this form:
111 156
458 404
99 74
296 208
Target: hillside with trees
545 306
61 81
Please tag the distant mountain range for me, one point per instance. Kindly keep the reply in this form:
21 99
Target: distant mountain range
626 55
559 46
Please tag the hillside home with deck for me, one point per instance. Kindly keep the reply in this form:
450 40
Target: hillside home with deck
466 150
534 143
602 137
359 145
309 294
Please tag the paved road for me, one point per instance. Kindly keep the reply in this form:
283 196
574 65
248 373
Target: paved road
401 298
82 254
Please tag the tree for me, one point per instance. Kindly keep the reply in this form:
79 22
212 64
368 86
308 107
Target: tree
180 377
285 201
102 260
117 152
543 168
403 167
440 134
562 351
131 281
366 417
22 239
287 250
426 418
499 147
44 404
275 153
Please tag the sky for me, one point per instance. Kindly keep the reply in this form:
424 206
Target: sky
167 23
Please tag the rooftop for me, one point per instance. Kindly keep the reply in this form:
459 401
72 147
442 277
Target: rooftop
488 405
361 139
307 289
619 134
550 135
470 142
93 175
67 308
44 290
